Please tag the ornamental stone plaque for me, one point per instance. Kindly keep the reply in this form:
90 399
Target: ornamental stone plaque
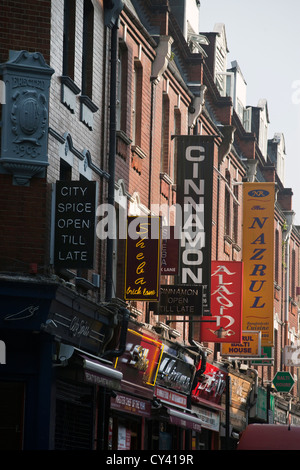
24 137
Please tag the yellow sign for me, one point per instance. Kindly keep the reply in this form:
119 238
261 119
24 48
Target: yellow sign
250 346
258 257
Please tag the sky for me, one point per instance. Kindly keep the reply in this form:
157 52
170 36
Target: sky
263 36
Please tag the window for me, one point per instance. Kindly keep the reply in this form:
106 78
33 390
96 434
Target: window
235 214
227 205
247 119
119 91
137 103
122 73
177 131
65 171
87 48
165 134
277 254
69 38
293 275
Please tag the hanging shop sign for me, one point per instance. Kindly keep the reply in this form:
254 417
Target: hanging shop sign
211 385
240 389
258 257
225 303
142 262
175 373
194 208
73 326
259 409
74 224
180 300
266 357
250 346
291 356
169 252
283 381
141 359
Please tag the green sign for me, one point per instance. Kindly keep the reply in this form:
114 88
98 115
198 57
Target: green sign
283 381
266 357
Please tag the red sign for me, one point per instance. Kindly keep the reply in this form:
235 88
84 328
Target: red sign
169 252
210 386
142 263
130 404
171 397
140 361
226 304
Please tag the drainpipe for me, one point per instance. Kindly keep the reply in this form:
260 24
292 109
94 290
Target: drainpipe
286 240
111 19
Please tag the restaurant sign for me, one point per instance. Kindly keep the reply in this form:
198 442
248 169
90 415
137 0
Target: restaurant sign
131 404
142 262
226 303
140 361
74 224
175 373
258 257
250 346
169 252
180 300
211 385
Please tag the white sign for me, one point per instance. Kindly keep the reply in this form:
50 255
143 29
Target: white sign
291 356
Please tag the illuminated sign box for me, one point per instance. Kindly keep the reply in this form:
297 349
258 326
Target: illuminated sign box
180 300
75 217
142 263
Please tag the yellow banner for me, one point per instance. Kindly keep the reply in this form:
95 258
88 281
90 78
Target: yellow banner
258 257
250 346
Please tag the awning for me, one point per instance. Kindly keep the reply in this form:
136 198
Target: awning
99 374
208 403
95 370
185 420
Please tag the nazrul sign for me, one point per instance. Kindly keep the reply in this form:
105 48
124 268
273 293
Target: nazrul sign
258 258
250 346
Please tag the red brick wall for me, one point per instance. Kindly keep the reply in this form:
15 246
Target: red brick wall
23 225
25 26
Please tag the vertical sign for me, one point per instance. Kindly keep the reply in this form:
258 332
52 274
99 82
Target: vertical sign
142 263
75 217
226 303
258 256
169 252
194 209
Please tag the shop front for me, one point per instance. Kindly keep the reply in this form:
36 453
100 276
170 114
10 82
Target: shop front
127 422
207 400
173 424
53 377
130 408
